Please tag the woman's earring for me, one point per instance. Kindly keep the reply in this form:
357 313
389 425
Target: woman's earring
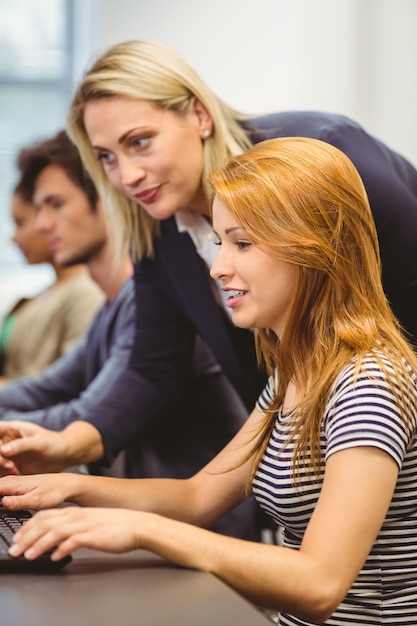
206 133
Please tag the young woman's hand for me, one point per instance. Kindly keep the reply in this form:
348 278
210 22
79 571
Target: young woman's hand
69 528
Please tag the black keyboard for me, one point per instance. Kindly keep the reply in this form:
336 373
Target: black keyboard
10 522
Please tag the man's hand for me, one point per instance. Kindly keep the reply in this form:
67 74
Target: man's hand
27 448
7 466
31 449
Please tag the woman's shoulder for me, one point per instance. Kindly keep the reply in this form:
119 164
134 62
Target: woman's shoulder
375 368
313 124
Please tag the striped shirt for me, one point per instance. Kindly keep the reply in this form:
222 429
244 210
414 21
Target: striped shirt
362 411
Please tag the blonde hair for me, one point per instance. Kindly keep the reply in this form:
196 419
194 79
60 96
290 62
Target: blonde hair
302 200
149 71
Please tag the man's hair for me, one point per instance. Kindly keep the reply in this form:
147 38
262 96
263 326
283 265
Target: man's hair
58 150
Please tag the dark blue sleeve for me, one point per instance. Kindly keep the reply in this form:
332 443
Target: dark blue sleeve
30 398
77 386
391 185
144 392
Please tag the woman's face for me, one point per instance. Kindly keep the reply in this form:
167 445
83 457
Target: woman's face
261 287
150 154
31 242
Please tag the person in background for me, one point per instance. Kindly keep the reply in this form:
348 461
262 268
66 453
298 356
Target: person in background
39 330
330 449
85 381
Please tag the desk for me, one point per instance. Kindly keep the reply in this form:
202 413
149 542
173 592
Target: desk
138 589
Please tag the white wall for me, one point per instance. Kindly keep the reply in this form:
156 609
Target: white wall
356 57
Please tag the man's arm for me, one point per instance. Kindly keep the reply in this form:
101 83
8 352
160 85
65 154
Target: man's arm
76 384
60 382
78 441
68 399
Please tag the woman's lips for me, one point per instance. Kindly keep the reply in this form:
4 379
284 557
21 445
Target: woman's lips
234 299
147 196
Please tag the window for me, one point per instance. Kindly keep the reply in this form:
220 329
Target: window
36 70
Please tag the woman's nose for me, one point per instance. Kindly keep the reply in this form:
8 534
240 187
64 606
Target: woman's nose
218 267
131 172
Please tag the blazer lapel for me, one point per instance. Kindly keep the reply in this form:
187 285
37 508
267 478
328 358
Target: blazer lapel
189 276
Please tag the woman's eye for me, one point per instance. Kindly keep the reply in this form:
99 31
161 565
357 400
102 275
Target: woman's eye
105 157
243 245
140 142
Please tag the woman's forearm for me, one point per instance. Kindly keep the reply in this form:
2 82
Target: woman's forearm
296 585
172 498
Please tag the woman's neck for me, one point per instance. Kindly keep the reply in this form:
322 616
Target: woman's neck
291 398
200 204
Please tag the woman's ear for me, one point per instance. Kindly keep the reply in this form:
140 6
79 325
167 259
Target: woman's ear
204 119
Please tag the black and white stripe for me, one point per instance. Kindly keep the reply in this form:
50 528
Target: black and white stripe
362 411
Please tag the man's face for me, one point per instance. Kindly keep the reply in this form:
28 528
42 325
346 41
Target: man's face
74 230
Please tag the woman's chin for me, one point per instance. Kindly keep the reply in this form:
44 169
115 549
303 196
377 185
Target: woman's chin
241 322
159 214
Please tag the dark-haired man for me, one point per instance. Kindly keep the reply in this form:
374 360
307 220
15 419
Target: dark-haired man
71 216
